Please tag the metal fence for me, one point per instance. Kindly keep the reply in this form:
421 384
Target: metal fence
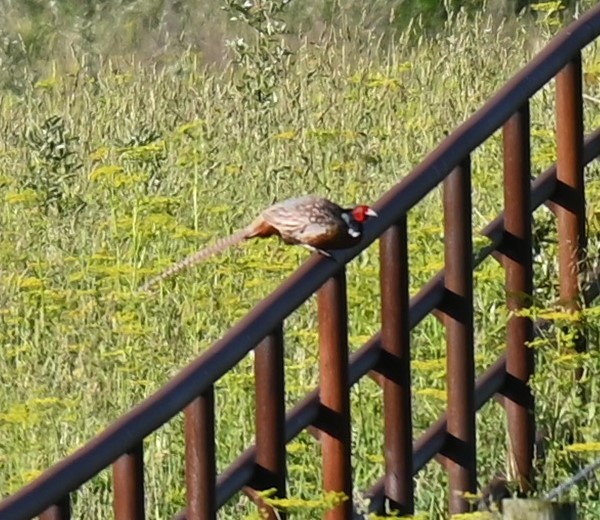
326 410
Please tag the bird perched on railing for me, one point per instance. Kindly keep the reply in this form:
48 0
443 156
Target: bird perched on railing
309 221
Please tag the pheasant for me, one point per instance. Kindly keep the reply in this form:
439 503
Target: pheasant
310 221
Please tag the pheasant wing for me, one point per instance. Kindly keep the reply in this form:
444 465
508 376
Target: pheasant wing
303 219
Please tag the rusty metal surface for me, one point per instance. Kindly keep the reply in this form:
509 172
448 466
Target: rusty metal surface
570 192
570 209
200 465
517 260
304 414
270 470
493 381
240 472
334 394
395 362
366 359
460 447
485 121
543 188
435 438
59 511
103 450
128 485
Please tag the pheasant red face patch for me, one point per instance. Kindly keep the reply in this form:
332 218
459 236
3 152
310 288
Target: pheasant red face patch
362 213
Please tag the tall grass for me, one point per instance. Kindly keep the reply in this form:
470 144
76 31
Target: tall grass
110 172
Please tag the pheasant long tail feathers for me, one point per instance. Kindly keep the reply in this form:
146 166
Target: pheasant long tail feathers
196 258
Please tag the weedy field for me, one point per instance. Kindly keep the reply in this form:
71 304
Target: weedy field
110 172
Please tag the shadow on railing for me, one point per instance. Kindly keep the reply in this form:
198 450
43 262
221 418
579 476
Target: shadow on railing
387 355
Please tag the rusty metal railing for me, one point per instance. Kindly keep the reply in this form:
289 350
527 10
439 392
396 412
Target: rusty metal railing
387 355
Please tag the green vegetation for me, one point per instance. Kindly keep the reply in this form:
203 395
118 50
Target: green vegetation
114 165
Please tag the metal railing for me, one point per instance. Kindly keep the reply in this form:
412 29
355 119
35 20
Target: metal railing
326 410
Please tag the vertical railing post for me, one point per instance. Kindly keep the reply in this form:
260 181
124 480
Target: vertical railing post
270 419
570 190
59 511
335 393
128 484
517 261
460 447
200 468
395 363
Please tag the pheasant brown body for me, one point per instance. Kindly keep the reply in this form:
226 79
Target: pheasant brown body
310 221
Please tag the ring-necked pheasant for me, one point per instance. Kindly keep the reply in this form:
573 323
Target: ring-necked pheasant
310 221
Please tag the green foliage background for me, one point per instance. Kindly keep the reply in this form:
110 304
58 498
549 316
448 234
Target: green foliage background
36 34
133 133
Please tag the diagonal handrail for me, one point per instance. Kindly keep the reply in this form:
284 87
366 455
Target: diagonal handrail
198 377
305 413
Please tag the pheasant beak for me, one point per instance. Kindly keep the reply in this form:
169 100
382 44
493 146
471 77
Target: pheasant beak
371 212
